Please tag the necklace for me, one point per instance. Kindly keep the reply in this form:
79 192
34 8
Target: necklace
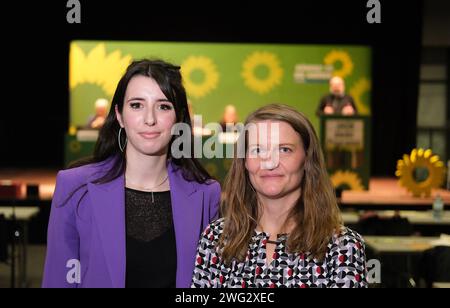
279 234
150 189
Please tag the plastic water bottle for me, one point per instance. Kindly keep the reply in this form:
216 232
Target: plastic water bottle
438 207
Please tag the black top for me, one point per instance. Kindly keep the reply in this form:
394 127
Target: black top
337 102
150 246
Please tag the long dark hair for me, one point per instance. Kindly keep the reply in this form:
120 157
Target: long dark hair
169 79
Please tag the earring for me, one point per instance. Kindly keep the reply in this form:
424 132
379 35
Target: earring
119 140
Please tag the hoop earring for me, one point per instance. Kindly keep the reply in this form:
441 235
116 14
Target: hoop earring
119 140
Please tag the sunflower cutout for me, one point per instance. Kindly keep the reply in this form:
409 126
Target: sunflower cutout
212 169
75 146
347 179
97 67
227 164
362 86
265 60
344 58
204 65
425 159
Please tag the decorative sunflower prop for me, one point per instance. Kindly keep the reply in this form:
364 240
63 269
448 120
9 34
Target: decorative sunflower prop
212 169
420 158
348 179
75 146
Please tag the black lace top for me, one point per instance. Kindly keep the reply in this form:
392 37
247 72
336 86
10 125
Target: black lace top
150 248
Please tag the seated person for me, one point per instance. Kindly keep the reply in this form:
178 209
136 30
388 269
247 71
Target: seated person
230 117
337 102
101 112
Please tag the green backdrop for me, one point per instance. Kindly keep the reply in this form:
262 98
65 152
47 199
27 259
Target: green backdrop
218 74
217 71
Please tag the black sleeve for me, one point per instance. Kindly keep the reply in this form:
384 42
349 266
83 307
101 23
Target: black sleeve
352 103
323 103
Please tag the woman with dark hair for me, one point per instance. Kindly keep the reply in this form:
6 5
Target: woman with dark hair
281 225
132 215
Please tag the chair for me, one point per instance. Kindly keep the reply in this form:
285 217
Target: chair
397 270
435 265
374 225
3 239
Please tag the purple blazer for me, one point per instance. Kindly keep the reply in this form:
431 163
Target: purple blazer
90 227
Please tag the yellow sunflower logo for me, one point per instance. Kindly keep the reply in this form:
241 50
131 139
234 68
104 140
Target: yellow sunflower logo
268 61
420 158
344 58
359 88
210 75
347 178
97 67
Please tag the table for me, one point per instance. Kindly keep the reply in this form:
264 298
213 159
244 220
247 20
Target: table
414 217
399 244
405 247
386 194
441 285
22 213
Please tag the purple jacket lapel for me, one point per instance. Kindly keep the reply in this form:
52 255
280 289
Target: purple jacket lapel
187 208
109 213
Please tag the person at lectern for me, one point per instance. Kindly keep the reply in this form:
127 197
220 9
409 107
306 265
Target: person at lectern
337 102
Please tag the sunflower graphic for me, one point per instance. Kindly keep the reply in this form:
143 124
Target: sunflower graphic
97 67
344 58
204 65
420 158
266 60
362 86
347 178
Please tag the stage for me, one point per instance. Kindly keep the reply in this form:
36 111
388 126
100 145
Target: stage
383 193
44 178
386 193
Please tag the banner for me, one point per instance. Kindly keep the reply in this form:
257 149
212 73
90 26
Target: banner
215 75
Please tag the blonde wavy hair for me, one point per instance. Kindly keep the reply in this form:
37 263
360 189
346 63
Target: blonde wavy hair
316 214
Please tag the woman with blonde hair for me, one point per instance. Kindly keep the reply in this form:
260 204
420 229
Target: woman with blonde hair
281 225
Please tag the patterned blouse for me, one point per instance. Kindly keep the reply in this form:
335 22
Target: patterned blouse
344 264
